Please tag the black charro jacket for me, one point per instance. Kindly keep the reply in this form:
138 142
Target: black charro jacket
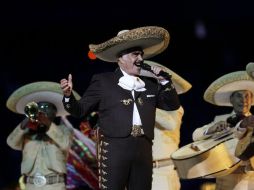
115 117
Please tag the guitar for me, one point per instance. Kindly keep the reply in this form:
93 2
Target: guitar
245 147
210 158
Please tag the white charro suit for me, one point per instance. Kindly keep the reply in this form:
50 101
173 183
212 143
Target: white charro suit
166 141
42 156
241 178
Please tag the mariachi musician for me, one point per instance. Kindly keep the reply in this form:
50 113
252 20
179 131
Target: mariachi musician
43 142
236 90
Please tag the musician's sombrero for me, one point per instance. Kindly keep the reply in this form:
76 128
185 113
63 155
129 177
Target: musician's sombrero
43 91
180 83
151 39
219 92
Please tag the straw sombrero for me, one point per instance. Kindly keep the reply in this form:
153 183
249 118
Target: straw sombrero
220 90
180 83
151 39
42 91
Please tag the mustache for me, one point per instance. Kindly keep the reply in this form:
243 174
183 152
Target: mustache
139 63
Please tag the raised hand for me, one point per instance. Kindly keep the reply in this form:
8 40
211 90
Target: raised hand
27 123
156 70
66 86
41 121
218 127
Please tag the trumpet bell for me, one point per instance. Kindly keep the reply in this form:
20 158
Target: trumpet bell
31 111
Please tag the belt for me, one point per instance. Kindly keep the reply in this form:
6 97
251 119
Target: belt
41 180
162 162
137 131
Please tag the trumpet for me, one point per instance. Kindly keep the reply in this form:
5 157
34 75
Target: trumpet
31 111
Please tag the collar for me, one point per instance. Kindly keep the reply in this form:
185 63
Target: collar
129 82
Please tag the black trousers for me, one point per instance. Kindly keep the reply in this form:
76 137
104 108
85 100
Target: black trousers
125 163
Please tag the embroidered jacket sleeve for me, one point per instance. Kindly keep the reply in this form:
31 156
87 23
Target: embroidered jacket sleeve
167 97
87 103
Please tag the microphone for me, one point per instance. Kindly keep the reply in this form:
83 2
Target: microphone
147 67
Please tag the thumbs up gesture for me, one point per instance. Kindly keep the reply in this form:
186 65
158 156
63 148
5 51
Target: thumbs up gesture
66 86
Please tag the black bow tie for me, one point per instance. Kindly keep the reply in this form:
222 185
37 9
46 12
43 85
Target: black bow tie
234 119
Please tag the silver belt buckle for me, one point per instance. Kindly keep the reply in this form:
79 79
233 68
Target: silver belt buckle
39 180
137 131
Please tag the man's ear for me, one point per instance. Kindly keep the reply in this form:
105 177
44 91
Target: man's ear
119 59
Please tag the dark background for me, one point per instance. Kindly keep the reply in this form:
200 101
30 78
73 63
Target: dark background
46 40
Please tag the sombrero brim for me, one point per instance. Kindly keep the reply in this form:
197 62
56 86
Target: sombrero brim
180 83
152 39
219 92
42 91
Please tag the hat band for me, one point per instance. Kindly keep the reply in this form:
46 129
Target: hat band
129 50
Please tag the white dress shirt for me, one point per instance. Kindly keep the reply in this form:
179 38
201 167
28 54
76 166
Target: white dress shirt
132 83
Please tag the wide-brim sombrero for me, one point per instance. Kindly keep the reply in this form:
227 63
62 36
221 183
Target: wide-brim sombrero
219 92
152 39
43 91
180 83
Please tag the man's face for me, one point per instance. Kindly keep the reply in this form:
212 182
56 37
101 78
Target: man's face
127 62
48 108
241 101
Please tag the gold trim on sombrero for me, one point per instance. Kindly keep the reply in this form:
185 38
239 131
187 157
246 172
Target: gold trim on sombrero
42 91
152 39
220 90
250 69
180 83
